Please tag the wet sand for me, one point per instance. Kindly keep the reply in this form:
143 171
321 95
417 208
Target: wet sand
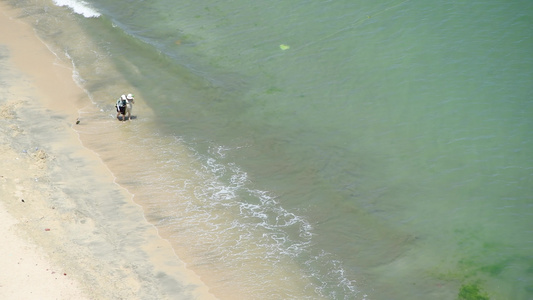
69 231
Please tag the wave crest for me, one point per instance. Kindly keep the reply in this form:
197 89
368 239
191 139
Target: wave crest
79 7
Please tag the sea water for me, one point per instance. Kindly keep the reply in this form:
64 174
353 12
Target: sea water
318 149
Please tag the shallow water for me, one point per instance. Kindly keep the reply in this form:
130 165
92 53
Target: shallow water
385 154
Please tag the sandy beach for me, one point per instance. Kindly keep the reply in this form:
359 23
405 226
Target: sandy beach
69 231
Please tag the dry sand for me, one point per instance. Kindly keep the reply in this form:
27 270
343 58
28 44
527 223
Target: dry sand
68 230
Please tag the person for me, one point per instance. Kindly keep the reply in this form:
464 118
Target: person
129 97
121 105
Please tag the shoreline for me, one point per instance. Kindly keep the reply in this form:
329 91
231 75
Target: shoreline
64 211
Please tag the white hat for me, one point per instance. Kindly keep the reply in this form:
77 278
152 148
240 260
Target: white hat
123 97
130 97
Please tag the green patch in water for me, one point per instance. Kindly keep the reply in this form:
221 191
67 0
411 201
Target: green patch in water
272 90
471 292
494 269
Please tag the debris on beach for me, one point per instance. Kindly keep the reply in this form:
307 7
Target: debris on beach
40 154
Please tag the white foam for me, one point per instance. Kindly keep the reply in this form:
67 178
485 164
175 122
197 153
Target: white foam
80 7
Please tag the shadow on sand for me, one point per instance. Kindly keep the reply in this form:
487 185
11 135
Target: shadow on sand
124 118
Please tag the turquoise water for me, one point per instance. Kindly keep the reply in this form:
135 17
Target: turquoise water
385 154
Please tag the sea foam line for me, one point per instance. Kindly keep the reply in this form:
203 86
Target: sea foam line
79 7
